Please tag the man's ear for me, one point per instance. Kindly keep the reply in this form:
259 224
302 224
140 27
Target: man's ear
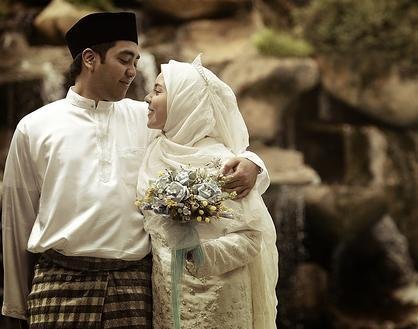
89 58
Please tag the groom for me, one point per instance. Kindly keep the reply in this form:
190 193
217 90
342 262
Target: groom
69 187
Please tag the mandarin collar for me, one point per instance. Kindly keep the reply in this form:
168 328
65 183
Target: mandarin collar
86 103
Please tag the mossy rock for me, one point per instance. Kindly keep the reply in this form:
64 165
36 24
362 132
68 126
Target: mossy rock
375 34
281 44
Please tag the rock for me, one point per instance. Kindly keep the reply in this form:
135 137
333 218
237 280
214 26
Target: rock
387 98
286 167
362 158
18 18
265 86
335 213
220 41
13 47
277 13
57 18
187 10
343 153
252 73
401 183
37 62
36 80
371 271
161 43
309 288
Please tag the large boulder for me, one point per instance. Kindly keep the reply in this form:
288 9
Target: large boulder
373 275
36 78
386 98
335 213
362 160
277 13
187 10
286 167
13 48
220 41
265 86
343 153
57 18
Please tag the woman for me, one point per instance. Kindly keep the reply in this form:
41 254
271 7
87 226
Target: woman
198 120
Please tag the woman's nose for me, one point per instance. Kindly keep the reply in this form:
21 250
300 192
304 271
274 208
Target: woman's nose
148 98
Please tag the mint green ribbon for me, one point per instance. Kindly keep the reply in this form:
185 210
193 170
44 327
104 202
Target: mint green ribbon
187 240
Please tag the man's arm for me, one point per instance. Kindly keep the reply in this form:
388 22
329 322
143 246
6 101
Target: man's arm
19 210
244 172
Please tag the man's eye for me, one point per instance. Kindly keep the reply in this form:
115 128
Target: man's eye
123 61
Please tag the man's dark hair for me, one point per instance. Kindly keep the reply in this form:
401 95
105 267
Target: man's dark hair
75 67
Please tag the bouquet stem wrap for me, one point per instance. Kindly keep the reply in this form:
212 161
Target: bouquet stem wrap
182 238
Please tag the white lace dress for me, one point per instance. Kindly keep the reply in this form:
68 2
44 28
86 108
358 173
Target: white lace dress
219 293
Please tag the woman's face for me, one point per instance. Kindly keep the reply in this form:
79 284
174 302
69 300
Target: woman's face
157 104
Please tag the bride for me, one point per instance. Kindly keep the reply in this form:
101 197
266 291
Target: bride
198 120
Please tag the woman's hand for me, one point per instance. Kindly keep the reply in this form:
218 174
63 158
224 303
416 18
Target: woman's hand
241 175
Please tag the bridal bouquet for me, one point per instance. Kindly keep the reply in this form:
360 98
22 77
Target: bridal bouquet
188 195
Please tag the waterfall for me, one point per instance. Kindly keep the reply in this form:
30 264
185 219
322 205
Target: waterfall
289 218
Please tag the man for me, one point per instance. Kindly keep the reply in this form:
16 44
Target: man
69 190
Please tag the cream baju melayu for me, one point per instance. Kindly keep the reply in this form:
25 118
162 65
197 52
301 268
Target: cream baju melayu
69 185
235 286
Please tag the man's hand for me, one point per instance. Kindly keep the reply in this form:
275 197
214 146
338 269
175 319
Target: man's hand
241 175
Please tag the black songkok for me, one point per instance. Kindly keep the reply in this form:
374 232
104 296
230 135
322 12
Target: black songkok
100 28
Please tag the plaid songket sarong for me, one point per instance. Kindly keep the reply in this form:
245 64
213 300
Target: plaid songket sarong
88 292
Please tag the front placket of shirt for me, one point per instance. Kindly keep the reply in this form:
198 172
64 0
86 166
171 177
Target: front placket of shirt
103 117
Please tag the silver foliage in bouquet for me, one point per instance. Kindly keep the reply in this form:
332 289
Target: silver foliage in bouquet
188 194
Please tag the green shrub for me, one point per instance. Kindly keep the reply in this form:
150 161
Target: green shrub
281 44
374 34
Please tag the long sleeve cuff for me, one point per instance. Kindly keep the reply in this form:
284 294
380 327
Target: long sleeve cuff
263 178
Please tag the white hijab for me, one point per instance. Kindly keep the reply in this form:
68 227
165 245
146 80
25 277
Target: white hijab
201 109
203 123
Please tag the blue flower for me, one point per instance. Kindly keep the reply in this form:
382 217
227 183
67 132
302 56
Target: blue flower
162 183
177 192
208 191
185 177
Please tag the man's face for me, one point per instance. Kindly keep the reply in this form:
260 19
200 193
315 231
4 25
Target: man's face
112 77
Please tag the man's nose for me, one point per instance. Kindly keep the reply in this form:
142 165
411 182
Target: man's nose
148 98
131 72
